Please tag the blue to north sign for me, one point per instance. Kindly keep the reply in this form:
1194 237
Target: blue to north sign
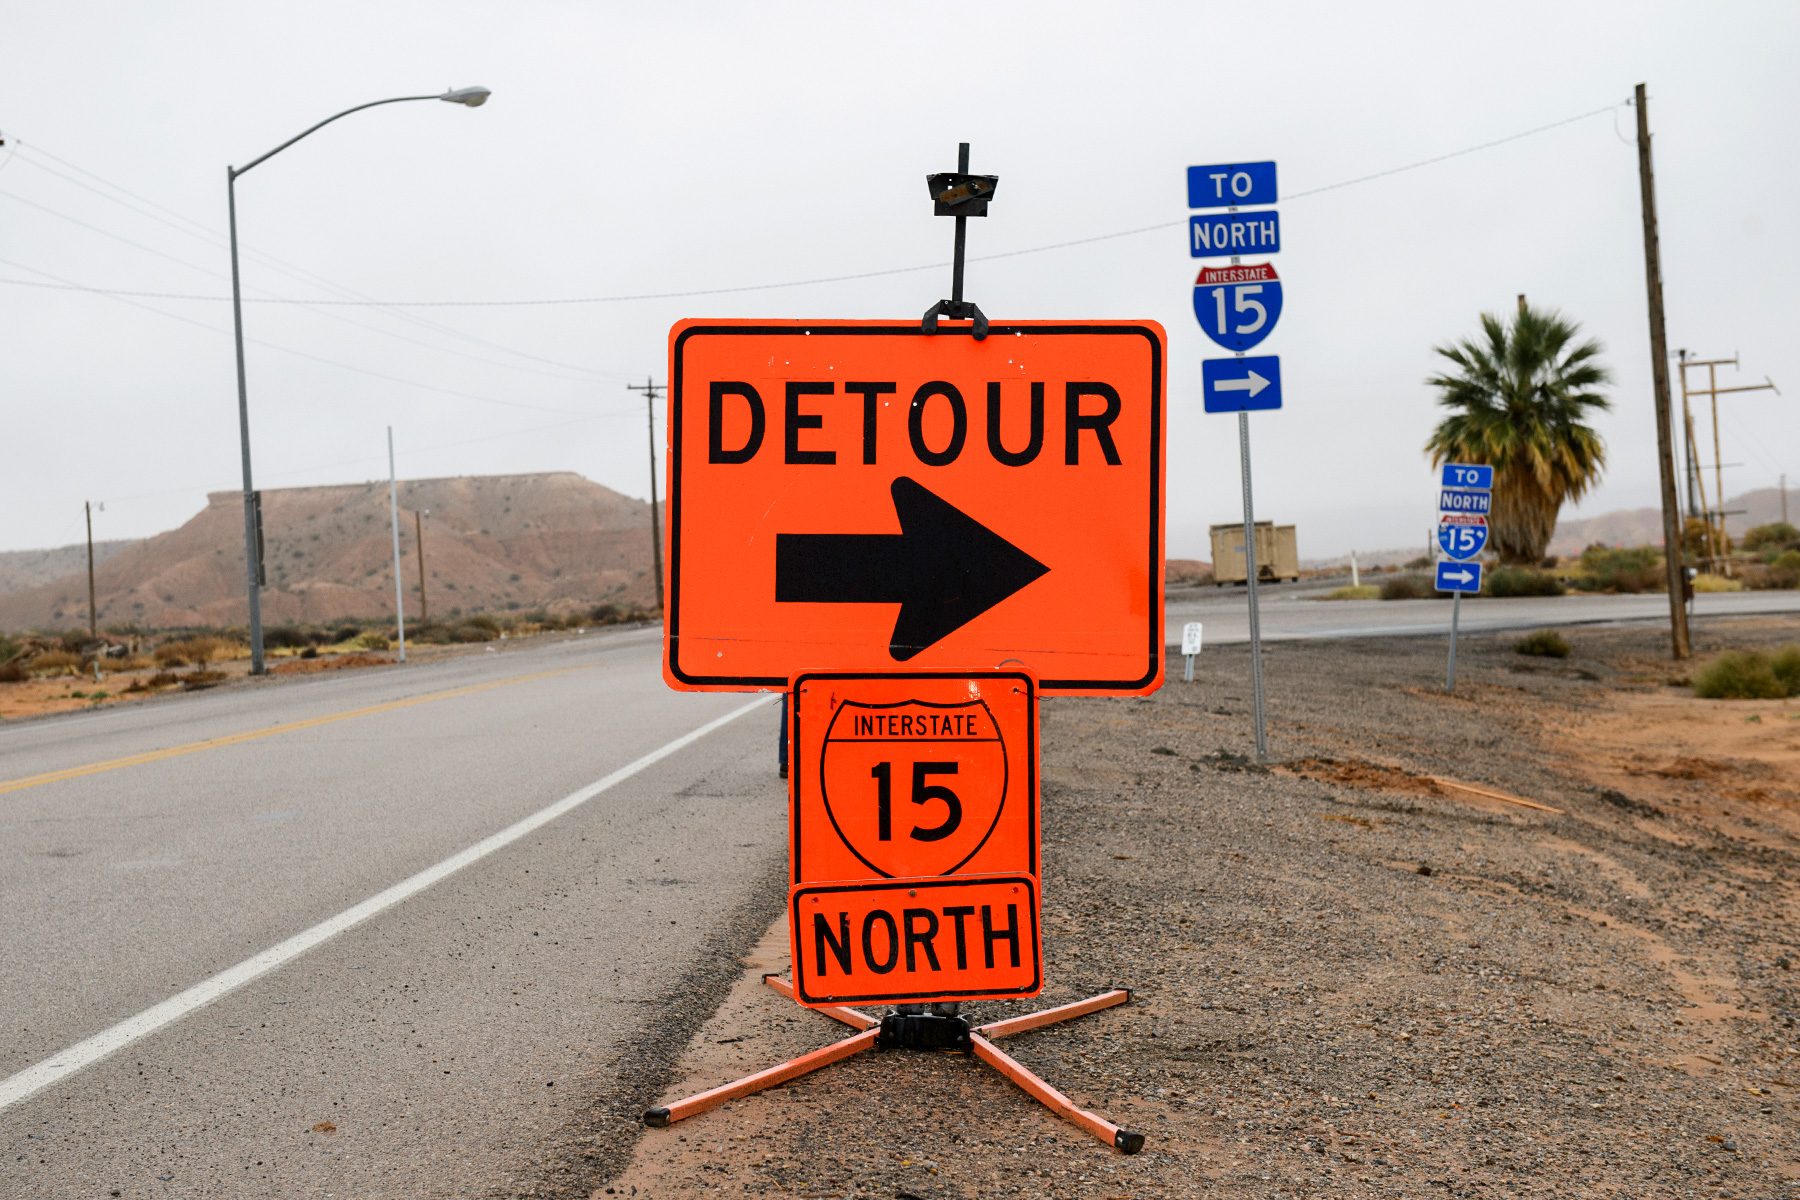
1229 185
1459 577
1219 235
1452 500
1468 475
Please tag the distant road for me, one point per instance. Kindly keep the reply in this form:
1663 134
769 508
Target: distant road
1292 611
443 1007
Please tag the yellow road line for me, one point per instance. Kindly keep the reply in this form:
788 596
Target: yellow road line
235 739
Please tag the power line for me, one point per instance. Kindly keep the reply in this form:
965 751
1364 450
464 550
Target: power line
195 229
858 275
330 362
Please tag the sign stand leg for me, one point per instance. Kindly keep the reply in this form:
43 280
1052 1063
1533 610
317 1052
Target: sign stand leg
1256 674
893 1033
1455 613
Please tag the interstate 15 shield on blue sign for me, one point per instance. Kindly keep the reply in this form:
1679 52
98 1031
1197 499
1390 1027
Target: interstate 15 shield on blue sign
1241 384
1459 577
1219 235
1227 185
1462 536
1237 306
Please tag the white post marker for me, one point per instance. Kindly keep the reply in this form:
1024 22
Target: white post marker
1190 646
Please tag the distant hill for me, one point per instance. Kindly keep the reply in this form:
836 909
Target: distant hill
492 543
1643 526
21 569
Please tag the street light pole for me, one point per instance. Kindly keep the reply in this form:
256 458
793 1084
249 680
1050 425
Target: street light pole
473 97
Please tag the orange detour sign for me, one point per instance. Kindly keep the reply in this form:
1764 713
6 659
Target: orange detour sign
852 495
913 807
903 940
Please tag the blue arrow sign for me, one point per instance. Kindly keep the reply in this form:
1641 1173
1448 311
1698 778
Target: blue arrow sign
1241 384
1468 475
1459 577
1462 537
1218 235
1237 306
1228 185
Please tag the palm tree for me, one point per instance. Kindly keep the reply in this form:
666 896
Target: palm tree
1518 400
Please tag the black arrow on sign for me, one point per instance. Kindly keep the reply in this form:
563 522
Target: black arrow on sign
943 569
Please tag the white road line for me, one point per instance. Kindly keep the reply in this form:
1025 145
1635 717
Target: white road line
86 1053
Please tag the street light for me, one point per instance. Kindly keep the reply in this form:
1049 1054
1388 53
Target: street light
472 97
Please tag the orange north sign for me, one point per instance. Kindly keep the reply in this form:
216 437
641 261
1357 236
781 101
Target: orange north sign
913 808
853 495
912 774
914 940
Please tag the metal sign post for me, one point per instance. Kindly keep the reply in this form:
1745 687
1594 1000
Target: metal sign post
1237 307
1455 616
1256 674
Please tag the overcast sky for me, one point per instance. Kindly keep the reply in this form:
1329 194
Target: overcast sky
650 148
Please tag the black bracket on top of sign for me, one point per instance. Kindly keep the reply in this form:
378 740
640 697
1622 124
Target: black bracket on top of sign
961 195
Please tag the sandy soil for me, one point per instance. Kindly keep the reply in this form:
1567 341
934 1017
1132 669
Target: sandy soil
1351 979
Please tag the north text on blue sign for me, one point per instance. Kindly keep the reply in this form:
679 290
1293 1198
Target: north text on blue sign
1455 500
1216 235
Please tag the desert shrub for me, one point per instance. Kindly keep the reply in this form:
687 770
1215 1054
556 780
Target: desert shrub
192 651
1366 591
284 637
1777 536
1739 675
1421 563
605 614
1522 581
483 622
1785 662
1708 582
9 649
1407 587
310 652
1545 643
55 662
132 662
161 679
347 633
372 641
1781 574
1621 569
13 671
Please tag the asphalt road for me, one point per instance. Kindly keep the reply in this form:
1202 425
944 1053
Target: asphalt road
1294 611
429 931
446 1038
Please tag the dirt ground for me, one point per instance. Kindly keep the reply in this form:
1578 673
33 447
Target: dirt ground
1351 977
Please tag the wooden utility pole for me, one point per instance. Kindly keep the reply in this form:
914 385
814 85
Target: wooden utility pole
419 537
1659 363
93 616
650 390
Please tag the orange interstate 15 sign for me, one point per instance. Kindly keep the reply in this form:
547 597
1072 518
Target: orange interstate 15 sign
849 495
904 783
